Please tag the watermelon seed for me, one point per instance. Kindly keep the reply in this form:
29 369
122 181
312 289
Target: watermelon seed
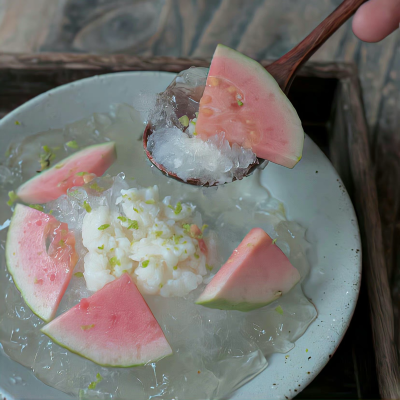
87 327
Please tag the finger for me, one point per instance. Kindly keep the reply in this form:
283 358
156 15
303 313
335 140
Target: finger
376 19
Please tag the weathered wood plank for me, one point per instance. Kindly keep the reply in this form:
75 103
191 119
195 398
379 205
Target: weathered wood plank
366 200
25 25
274 29
226 25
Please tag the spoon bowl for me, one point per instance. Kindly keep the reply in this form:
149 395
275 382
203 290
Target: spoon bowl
284 71
261 163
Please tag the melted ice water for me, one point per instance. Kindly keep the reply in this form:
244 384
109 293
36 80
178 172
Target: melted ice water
215 351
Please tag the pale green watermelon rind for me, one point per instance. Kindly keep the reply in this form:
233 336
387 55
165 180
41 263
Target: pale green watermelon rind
223 304
248 62
10 269
43 330
108 146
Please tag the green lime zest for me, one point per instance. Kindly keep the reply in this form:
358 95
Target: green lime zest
44 159
87 327
73 192
58 166
36 207
186 227
158 233
145 263
184 120
193 122
133 224
51 212
279 310
240 103
136 210
93 385
209 267
61 243
17 123
161 285
101 247
175 268
102 227
177 238
204 227
72 144
151 201
114 261
81 173
12 198
78 274
87 207
123 219
178 208
196 256
96 187
274 241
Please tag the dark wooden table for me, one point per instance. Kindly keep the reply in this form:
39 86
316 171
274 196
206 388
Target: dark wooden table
263 29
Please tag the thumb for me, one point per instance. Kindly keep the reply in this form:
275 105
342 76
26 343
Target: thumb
376 19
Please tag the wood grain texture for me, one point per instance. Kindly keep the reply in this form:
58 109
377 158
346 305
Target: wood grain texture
284 68
366 200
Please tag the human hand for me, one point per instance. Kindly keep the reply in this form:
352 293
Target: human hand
376 19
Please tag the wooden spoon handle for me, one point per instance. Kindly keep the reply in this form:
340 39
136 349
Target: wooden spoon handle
284 69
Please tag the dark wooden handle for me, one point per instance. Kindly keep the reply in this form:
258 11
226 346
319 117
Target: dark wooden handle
285 68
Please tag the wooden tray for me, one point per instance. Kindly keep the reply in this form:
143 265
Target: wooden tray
328 99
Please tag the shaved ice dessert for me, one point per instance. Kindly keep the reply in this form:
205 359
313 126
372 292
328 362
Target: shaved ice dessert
152 230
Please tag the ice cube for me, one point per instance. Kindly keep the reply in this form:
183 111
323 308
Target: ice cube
181 98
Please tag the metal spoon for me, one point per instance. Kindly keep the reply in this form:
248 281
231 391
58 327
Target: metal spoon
284 71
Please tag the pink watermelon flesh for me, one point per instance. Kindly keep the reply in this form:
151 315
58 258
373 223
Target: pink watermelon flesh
256 274
243 100
54 182
114 327
40 254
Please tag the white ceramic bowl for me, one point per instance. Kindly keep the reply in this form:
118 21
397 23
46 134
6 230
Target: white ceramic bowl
317 200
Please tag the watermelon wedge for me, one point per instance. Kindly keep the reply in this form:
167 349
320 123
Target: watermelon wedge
243 100
72 171
40 255
256 274
113 328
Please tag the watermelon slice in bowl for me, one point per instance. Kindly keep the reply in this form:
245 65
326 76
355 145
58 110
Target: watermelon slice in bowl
256 274
113 328
243 100
40 256
74 170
